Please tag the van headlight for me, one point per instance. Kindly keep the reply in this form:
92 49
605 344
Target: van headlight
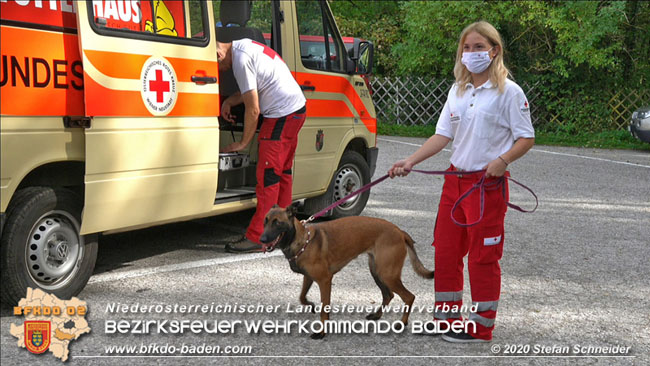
643 115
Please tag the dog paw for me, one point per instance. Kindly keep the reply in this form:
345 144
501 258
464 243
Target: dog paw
317 336
373 316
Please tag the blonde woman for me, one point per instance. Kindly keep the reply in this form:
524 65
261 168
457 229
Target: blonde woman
487 119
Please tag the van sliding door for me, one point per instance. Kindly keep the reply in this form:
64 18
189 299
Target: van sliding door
150 79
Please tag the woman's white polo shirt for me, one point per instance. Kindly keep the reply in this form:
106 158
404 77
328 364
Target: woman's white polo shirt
484 123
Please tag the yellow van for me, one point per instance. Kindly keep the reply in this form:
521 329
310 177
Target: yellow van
109 122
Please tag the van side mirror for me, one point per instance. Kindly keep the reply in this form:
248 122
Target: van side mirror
363 53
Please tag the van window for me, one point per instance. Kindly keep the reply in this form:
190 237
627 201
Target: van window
261 16
315 28
164 18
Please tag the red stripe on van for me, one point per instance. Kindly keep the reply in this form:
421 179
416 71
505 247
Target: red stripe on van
337 84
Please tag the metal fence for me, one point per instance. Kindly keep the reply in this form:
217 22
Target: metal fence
419 101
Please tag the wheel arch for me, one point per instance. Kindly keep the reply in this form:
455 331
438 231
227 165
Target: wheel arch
64 174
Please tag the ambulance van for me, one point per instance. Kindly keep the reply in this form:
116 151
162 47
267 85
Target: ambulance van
110 122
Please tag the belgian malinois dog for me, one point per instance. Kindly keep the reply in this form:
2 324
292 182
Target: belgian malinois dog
318 251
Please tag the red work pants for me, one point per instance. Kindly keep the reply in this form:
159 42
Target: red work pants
483 242
278 138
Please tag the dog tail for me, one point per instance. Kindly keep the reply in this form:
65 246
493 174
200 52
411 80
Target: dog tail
418 267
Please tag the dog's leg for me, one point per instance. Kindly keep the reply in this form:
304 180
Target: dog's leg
325 286
386 293
395 284
306 285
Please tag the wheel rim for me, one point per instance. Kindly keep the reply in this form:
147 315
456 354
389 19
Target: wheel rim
347 180
54 250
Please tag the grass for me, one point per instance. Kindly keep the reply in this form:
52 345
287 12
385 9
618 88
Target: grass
601 140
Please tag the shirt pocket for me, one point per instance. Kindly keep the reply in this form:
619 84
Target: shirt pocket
486 125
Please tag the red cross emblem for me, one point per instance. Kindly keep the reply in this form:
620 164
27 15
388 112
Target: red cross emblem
159 86
269 51
526 104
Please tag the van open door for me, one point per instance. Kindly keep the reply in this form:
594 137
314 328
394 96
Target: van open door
151 102
340 120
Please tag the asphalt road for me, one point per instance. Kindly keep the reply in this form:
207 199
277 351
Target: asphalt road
575 274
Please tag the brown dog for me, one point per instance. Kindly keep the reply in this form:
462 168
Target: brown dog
318 251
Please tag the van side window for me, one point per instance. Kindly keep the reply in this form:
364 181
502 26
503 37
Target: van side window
315 28
167 18
262 19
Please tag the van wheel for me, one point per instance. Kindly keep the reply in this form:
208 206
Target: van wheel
42 247
353 173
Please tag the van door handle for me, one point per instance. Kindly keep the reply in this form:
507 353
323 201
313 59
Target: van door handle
204 79
308 87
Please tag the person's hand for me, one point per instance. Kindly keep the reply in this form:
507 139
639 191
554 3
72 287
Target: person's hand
401 168
496 168
234 147
225 112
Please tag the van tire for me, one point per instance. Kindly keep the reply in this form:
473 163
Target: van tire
352 173
45 220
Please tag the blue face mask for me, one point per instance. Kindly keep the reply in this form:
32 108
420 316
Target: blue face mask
476 62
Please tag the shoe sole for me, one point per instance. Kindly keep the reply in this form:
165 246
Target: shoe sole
456 340
244 251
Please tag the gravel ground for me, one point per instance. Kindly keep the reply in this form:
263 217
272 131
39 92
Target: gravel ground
575 274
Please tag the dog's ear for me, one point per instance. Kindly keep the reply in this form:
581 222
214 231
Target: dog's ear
292 209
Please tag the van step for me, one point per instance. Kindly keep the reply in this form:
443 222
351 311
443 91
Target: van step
235 194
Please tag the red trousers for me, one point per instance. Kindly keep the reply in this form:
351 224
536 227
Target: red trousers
483 242
278 138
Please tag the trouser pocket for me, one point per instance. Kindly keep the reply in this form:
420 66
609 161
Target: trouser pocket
490 244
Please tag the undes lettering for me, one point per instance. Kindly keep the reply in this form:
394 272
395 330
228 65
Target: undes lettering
38 72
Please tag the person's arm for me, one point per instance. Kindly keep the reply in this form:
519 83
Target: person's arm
250 121
431 147
498 166
518 117
230 102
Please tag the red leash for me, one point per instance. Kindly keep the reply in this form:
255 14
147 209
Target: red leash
481 185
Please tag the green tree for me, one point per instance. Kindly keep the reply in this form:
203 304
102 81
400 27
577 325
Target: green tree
577 51
377 21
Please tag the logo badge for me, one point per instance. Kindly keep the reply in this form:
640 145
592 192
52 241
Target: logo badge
320 138
159 86
37 336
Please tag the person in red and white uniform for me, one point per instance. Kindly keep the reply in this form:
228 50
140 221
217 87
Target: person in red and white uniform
487 119
266 86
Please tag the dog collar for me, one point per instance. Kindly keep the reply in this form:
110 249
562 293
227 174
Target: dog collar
295 257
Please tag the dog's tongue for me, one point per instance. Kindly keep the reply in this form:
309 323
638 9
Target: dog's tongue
271 245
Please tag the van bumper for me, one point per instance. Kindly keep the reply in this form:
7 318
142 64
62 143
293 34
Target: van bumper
371 155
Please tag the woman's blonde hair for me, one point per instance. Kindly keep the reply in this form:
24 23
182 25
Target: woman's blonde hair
497 71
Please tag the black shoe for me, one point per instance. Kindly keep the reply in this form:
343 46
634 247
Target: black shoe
461 337
243 245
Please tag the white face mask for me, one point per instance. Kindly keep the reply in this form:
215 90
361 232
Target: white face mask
476 62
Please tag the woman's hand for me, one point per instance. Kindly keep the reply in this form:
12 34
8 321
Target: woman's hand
401 168
496 168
